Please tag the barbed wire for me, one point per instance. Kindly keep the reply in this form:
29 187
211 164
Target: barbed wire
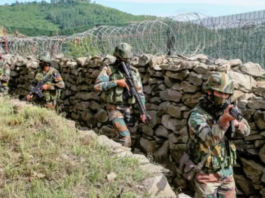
235 36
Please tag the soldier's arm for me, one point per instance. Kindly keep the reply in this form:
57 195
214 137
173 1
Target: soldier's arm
6 75
139 87
58 81
243 127
199 127
103 82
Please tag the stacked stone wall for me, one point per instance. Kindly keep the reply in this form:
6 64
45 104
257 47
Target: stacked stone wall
172 86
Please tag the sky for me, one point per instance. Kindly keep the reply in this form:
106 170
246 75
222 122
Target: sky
176 7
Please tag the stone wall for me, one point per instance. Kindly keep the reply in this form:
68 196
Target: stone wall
172 86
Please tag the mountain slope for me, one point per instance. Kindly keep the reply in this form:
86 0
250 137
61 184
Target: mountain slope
44 19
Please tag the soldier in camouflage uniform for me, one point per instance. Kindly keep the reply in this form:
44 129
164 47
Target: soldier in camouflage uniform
4 75
112 81
208 124
51 88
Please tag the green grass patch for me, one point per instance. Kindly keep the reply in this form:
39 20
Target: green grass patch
42 156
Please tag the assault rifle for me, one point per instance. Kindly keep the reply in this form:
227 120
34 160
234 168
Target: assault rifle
236 113
37 89
133 92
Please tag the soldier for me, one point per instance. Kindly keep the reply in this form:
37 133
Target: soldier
209 145
4 75
112 81
51 89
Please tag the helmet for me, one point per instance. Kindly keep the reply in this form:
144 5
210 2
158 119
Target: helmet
220 82
45 57
123 50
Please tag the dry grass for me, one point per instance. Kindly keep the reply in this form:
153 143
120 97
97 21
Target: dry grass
41 156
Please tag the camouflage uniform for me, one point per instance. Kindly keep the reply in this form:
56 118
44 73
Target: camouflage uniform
216 177
55 83
4 76
120 111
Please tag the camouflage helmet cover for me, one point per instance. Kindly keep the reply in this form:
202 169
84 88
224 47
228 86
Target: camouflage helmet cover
123 50
45 57
220 82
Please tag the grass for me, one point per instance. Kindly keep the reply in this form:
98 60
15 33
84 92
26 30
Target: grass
43 156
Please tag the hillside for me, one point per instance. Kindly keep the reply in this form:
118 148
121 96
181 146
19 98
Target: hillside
34 19
43 155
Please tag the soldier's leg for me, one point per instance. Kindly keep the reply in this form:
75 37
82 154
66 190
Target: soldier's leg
116 116
131 123
48 104
228 187
207 185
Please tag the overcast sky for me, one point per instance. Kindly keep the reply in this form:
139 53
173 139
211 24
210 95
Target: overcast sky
175 7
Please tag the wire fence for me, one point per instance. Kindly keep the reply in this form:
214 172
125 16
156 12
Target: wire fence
237 36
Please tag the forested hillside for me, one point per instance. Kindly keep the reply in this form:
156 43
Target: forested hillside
67 18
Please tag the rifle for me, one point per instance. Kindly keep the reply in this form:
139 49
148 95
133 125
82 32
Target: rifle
133 92
236 113
37 89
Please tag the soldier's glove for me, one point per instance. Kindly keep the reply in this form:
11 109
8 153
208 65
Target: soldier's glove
226 118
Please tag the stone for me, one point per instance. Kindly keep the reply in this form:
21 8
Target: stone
235 62
244 184
191 100
176 87
147 146
81 61
256 104
259 143
177 151
102 116
154 118
94 105
188 88
145 129
148 89
150 106
237 94
259 118
262 154
169 81
252 69
242 82
201 68
171 95
161 155
158 187
195 79
179 76
87 96
162 108
108 131
174 111
172 123
162 87
111 177
144 59
161 131
252 170
81 105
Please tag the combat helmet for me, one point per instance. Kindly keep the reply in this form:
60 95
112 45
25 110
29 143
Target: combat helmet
123 50
45 57
221 82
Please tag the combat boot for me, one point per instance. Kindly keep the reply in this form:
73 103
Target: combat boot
126 141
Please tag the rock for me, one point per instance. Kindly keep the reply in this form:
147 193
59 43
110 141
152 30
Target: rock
262 154
179 76
81 61
259 143
188 88
177 151
252 69
174 111
154 118
237 94
147 146
244 184
195 79
161 131
176 87
201 68
146 129
111 177
169 81
224 68
256 104
147 89
235 62
252 170
172 124
191 100
171 95
158 187
259 118
242 82
102 116
144 59
162 108
87 96
81 105
161 155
